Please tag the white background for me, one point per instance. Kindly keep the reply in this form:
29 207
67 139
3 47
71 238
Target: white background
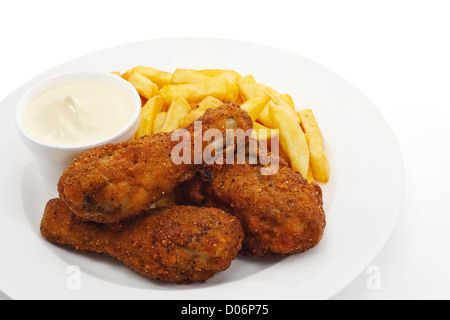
396 52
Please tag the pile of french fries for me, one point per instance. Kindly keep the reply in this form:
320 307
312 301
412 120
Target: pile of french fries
174 100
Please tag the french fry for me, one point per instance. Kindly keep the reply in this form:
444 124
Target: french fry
148 114
319 162
279 99
283 154
230 75
222 89
239 100
159 122
310 175
190 117
211 72
286 97
261 132
178 109
193 105
143 85
292 138
266 119
249 88
143 101
199 110
209 102
116 73
183 76
160 78
255 106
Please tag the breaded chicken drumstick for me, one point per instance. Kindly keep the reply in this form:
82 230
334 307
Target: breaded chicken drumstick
115 182
177 244
281 214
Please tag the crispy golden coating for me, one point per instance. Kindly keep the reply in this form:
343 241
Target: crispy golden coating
178 244
281 214
115 182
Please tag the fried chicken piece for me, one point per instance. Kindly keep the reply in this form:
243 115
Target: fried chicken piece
178 244
281 214
118 181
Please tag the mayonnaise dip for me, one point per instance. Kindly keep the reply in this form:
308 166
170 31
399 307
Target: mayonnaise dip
77 113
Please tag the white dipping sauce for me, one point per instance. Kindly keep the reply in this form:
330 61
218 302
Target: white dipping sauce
78 113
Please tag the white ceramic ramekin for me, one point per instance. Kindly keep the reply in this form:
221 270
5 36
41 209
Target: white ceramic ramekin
52 160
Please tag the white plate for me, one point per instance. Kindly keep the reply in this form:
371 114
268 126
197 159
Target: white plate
362 199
